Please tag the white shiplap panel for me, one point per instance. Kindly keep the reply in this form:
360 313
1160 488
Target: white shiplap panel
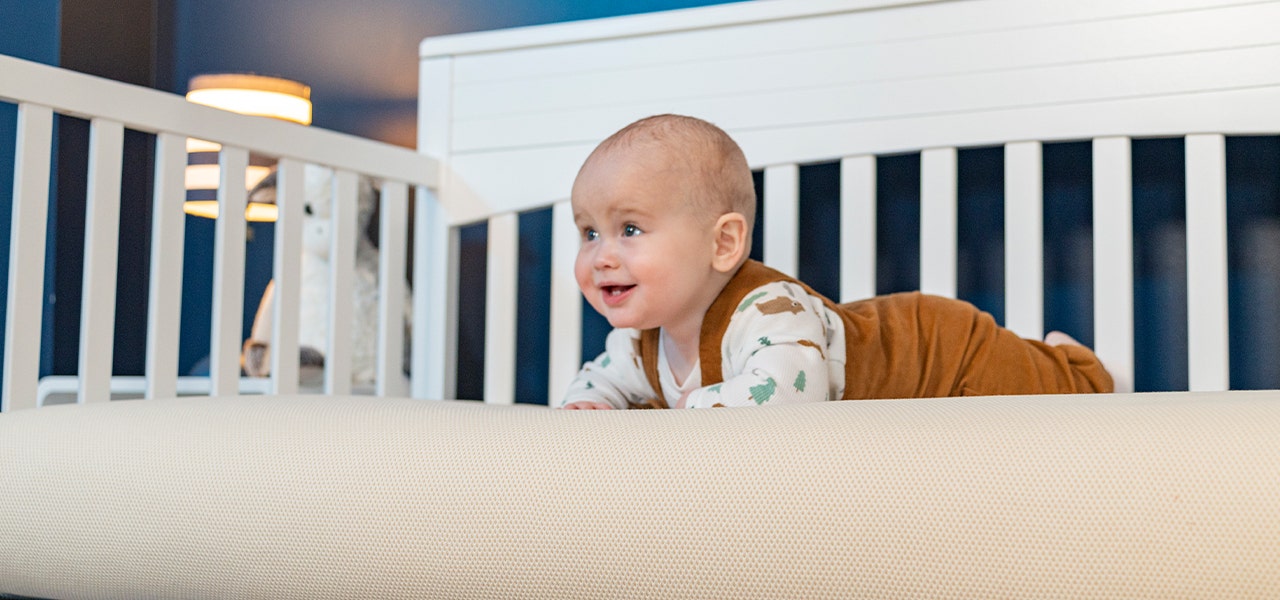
342 264
393 236
550 37
1207 341
857 228
168 234
566 303
287 276
938 222
782 218
1024 239
101 245
500 309
228 273
1113 258
866 54
950 94
535 177
769 28
28 225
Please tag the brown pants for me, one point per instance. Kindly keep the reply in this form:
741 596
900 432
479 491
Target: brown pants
912 345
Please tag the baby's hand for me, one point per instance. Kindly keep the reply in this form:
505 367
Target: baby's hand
587 405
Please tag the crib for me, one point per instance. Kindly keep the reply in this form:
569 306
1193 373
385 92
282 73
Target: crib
262 491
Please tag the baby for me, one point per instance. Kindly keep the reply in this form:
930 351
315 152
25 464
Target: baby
665 208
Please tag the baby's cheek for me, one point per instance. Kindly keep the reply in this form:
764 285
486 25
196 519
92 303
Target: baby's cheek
582 271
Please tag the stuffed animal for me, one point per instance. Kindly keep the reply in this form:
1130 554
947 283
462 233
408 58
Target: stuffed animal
313 325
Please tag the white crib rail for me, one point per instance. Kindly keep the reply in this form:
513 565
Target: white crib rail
1024 239
1114 317
513 114
287 260
168 235
26 254
1206 260
41 91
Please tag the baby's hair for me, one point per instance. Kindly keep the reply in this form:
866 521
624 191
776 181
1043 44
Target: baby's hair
718 160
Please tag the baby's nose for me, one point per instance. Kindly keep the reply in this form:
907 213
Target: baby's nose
606 255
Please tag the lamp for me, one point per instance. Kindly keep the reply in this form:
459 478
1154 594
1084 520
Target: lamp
247 94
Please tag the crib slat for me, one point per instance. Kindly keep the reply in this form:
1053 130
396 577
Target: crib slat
342 261
29 221
1207 339
168 232
392 236
287 276
938 228
101 243
435 299
228 273
1113 258
566 303
1024 239
782 218
858 228
500 309
436 244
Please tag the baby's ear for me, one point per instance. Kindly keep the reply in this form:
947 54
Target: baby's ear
730 242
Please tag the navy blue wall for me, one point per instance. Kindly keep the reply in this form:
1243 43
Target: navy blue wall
360 58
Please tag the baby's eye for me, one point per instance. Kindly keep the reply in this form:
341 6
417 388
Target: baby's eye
630 230
590 235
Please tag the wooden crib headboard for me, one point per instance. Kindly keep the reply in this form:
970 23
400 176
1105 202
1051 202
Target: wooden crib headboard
512 114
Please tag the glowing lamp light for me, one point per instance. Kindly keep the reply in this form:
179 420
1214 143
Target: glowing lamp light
247 94
253 95
205 177
255 211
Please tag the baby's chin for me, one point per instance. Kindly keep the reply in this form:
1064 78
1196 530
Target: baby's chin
619 320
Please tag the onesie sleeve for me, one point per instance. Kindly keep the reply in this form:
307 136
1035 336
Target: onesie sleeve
773 352
614 377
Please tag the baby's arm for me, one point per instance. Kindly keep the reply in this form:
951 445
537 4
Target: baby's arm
611 379
774 352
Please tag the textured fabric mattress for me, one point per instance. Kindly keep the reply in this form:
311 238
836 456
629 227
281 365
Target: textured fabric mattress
1142 495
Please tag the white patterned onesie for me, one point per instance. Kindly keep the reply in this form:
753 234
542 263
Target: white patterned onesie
782 345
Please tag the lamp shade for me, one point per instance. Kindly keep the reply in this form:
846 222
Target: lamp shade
247 94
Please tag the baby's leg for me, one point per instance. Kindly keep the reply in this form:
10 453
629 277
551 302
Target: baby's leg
994 360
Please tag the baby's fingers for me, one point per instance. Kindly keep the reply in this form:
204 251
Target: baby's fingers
585 405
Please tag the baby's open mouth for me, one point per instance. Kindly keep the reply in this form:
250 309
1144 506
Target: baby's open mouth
616 290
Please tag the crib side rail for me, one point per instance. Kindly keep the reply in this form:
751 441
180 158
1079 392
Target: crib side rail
518 114
1024 255
41 92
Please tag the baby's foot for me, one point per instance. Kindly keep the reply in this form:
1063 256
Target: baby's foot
1057 338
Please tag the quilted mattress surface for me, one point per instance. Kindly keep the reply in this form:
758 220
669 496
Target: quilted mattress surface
1137 496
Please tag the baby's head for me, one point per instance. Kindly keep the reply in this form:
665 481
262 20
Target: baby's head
708 165
665 207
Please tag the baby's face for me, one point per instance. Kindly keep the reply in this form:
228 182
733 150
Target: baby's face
645 258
